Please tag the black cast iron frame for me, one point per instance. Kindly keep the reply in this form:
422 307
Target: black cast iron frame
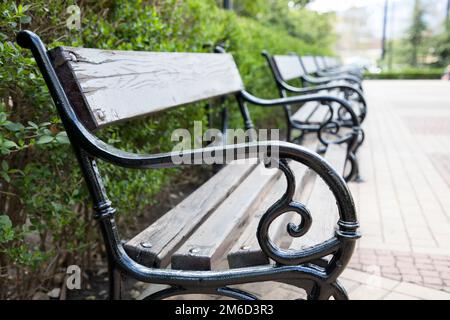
328 71
331 122
296 268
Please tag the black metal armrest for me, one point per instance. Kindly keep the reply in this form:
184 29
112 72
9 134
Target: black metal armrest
340 72
301 99
343 241
315 89
342 87
325 80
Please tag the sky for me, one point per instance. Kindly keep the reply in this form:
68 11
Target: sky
399 19
342 5
400 12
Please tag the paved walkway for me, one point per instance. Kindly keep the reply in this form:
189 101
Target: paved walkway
404 203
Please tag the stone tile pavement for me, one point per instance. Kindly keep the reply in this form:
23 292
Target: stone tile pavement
404 203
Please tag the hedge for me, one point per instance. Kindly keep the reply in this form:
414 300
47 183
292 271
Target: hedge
407 74
45 212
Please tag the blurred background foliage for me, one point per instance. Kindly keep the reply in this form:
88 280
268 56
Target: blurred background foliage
422 53
45 212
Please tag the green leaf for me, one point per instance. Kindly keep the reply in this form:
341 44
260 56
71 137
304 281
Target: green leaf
33 125
6 230
9 144
5 165
44 139
5 176
25 19
62 138
14 126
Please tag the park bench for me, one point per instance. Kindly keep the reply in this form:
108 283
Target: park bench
322 116
330 66
313 76
305 202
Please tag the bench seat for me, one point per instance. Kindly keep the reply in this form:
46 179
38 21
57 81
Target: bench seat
200 236
197 237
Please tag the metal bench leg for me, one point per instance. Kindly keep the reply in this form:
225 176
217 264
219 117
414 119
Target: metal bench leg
115 281
326 291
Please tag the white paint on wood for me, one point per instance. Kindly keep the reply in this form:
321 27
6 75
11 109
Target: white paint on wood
320 114
305 111
120 85
309 64
164 236
246 251
289 67
211 241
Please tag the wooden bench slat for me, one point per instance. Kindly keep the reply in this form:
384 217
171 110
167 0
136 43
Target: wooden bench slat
247 252
304 112
309 64
319 114
113 86
289 67
204 249
322 204
319 63
168 232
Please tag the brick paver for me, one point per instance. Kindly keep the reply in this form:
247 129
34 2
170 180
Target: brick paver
404 205
430 271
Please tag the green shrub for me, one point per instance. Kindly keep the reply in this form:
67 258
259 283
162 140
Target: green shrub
45 216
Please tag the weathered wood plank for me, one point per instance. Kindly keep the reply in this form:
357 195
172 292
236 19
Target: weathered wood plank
322 204
289 67
154 245
309 64
203 250
246 251
320 114
320 63
120 85
305 112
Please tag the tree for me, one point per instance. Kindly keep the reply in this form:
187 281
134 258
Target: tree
300 3
415 32
443 47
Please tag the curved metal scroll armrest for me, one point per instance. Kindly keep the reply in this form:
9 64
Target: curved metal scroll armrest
341 245
305 255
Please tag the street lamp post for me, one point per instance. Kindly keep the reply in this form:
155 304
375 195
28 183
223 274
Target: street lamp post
447 22
383 39
228 4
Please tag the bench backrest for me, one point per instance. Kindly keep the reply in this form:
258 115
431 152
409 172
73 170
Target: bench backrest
309 64
288 67
320 63
331 62
106 86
